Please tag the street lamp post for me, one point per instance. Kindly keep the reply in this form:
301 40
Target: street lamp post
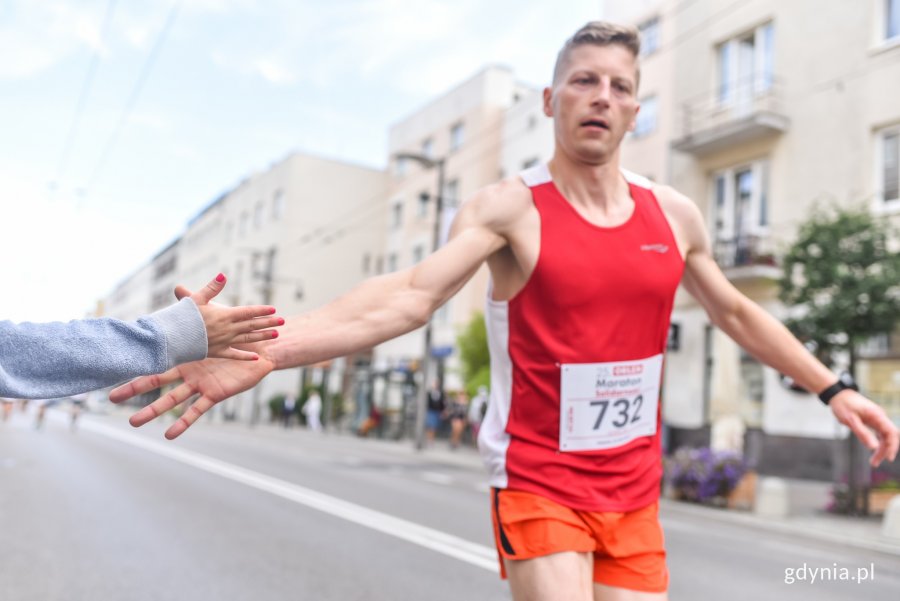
421 397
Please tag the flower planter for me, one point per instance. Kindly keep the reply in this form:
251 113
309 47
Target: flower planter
879 499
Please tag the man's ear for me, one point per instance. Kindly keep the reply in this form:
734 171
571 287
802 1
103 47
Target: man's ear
548 102
633 123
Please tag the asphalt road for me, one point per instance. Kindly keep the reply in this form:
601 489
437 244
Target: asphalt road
225 512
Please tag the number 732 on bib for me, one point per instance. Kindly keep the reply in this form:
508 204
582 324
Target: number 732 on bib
607 405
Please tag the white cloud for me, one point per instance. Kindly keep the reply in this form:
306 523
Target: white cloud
273 72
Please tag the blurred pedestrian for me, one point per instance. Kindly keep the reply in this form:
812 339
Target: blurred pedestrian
436 406
477 408
287 409
456 413
312 410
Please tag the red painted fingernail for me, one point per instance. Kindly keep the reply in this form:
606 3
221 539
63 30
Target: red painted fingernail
220 277
256 358
271 310
275 334
281 321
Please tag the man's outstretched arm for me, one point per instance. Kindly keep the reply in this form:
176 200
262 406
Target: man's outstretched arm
378 309
768 340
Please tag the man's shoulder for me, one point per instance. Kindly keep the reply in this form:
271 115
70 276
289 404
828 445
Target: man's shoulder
674 203
501 203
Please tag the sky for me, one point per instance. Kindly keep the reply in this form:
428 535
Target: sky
121 120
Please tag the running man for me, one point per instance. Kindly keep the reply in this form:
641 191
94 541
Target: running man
585 260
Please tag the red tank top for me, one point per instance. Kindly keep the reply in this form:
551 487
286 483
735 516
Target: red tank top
596 296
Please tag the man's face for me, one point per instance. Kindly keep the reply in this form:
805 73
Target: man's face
593 103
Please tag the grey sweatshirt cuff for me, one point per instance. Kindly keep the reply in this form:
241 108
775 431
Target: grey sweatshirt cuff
185 332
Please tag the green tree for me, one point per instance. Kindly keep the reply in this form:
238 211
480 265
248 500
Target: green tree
473 351
843 278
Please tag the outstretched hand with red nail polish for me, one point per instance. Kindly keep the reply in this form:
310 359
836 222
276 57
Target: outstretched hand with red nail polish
230 326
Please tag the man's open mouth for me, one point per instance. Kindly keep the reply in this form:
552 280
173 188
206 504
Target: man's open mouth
595 123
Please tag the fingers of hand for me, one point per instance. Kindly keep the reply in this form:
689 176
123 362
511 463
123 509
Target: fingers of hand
252 311
161 405
193 413
182 292
236 354
210 291
260 323
862 432
251 337
142 385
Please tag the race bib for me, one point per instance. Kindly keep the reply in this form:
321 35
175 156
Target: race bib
607 405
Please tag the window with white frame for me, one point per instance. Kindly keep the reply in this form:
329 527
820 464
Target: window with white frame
645 123
400 166
649 31
418 253
422 204
888 162
745 66
891 19
457 134
397 215
277 204
427 147
258 215
451 192
740 202
392 262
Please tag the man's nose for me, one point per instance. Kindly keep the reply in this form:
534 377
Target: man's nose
602 91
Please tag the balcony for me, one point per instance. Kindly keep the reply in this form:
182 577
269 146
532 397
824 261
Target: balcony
747 258
736 114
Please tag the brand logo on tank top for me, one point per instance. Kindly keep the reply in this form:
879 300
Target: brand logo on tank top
657 248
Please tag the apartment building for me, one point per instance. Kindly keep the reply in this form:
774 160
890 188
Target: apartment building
765 109
295 235
461 133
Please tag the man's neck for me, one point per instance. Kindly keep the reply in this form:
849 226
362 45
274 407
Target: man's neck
594 187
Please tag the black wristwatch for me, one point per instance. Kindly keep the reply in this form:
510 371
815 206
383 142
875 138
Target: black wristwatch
845 382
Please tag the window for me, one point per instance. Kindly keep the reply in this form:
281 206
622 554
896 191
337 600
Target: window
646 117
258 215
746 66
741 201
427 147
277 204
888 182
366 263
457 132
891 19
418 253
532 121
244 222
392 262
424 199
529 163
673 343
451 192
400 167
649 31
397 215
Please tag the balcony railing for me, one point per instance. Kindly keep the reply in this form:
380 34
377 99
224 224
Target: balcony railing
745 251
733 114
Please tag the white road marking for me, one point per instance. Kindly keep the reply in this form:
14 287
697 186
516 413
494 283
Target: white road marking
441 542
437 478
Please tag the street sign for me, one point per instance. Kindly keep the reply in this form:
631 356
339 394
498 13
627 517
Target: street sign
441 352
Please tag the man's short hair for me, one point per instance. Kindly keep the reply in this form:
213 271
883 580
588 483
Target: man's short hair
600 33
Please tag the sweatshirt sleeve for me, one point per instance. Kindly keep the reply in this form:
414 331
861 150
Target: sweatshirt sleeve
49 360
